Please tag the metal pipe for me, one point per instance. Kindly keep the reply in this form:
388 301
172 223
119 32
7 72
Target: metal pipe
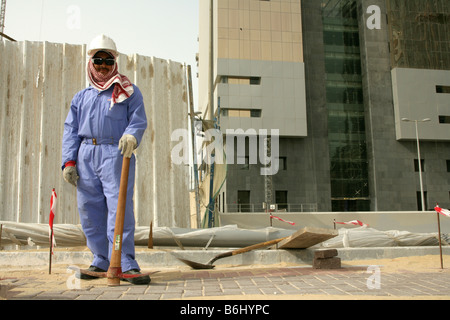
422 196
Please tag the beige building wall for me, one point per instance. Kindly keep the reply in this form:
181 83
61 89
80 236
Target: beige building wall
260 30
259 77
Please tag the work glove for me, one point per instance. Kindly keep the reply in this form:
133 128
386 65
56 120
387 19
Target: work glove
127 144
70 175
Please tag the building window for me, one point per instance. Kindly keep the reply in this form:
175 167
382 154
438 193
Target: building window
244 162
444 119
419 200
282 163
240 80
448 165
442 89
345 205
281 200
244 201
241 113
416 165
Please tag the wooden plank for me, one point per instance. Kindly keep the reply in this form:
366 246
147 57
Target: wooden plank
51 126
73 79
30 128
12 113
178 119
144 190
307 237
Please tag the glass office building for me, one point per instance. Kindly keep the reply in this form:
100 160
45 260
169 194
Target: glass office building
336 78
345 105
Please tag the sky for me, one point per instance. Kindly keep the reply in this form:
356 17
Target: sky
166 29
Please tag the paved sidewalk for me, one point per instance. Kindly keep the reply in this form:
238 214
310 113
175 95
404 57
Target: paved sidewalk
236 283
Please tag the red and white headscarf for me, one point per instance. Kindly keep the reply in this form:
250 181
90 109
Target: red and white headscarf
122 91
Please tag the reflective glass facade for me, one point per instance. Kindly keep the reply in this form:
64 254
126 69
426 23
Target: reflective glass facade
345 106
419 33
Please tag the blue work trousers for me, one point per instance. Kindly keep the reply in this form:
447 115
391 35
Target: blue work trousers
99 168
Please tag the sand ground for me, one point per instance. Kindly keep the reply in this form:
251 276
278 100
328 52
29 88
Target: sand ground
415 264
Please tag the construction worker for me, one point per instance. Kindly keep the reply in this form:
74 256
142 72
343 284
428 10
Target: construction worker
106 122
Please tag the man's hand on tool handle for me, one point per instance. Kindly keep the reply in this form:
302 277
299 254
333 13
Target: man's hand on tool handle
127 144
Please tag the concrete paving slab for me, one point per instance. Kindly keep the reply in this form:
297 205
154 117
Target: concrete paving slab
364 275
228 284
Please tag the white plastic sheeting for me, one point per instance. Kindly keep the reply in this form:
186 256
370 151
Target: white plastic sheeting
25 234
361 237
37 83
30 234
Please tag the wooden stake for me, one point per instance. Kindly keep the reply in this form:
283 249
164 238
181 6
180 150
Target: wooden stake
440 243
50 254
150 236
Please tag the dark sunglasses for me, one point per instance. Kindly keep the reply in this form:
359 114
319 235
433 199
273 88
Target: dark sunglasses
107 61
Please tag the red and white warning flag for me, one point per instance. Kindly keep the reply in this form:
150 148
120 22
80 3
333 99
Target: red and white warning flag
354 222
51 218
440 210
278 218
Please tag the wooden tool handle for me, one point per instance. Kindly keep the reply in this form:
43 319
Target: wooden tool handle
116 255
256 246
246 249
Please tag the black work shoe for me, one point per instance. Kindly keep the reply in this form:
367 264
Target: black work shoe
84 276
142 280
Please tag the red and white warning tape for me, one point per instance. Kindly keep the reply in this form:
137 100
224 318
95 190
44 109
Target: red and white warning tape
278 218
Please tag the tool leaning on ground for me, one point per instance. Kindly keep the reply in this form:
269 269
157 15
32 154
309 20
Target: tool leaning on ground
209 264
301 239
114 273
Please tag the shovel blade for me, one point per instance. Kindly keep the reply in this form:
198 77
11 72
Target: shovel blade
196 265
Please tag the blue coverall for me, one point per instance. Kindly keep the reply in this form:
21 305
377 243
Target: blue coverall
92 132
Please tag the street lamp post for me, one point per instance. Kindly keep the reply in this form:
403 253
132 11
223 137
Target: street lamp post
418 155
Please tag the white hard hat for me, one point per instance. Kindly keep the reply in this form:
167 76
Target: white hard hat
102 43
